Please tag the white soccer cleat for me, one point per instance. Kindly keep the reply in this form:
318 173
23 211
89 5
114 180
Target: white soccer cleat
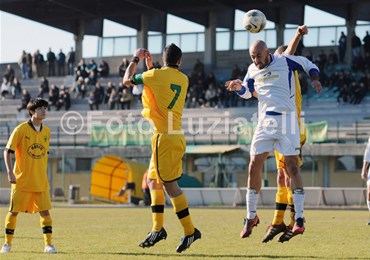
6 248
50 249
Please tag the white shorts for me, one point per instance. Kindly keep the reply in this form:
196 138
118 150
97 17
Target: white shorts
277 132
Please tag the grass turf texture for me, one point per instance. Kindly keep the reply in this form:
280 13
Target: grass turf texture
114 233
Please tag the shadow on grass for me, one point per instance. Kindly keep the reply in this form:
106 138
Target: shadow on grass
219 256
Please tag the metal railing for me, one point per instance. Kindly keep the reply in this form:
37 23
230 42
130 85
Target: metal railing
226 40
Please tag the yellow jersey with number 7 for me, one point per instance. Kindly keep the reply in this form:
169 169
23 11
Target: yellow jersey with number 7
163 97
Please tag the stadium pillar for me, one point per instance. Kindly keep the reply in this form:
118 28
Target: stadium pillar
325 171
210 43
279 34
351 29
79 39
142 35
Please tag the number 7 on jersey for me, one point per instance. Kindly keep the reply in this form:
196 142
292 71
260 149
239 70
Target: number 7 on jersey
177 90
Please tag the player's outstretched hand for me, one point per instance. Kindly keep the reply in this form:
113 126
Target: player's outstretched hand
234 85
316 84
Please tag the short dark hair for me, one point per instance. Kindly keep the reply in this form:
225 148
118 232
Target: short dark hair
171 54
36 103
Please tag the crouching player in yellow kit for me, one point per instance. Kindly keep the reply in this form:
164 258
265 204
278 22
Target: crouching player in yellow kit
163 101
30 186
284 194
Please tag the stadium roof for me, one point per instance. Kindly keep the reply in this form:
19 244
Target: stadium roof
67 14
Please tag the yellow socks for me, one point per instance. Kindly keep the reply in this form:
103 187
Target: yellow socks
157 205
10 224
180 206
46 225
280 206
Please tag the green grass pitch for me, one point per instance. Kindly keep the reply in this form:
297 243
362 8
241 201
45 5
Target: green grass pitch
114 233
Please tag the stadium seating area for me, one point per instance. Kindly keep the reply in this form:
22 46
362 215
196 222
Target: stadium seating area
347 122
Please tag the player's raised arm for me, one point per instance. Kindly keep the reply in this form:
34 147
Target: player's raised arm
139 54
293 44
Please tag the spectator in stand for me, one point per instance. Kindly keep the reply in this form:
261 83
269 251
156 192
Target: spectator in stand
332 57
92 70
366 41
103 70
199 68
99 94
71 59
50 57
5 88
92 78
321 60
61 62
26 97
81 70
367 62
38 61
356 46
211 79
53 96
211 96
342 47
122 68
44 87
191 98
343 94
126 98
64 99
113 98
9 73
108 92
16 87
232 99
80 88
23 64
29 63
92 101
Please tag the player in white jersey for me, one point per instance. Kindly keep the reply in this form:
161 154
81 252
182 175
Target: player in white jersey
271 79
365 174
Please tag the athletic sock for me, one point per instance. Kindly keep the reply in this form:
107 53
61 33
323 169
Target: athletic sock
10 225
180 206
298 198
252 199
368 204
280 205
47 230
157 205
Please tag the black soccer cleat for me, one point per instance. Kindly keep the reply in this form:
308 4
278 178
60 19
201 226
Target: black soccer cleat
272 231
186 241
153 237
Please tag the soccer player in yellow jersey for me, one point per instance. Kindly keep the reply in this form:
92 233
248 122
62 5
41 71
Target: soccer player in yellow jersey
29 143
284 194
163 101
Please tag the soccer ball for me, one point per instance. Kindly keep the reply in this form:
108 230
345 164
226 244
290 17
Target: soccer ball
254 21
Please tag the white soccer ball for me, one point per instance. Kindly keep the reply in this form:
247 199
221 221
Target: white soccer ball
254 21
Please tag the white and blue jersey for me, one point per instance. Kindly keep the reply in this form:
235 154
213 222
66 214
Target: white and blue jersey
274 84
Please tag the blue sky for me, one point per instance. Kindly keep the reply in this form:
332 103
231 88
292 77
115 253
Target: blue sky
19 34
